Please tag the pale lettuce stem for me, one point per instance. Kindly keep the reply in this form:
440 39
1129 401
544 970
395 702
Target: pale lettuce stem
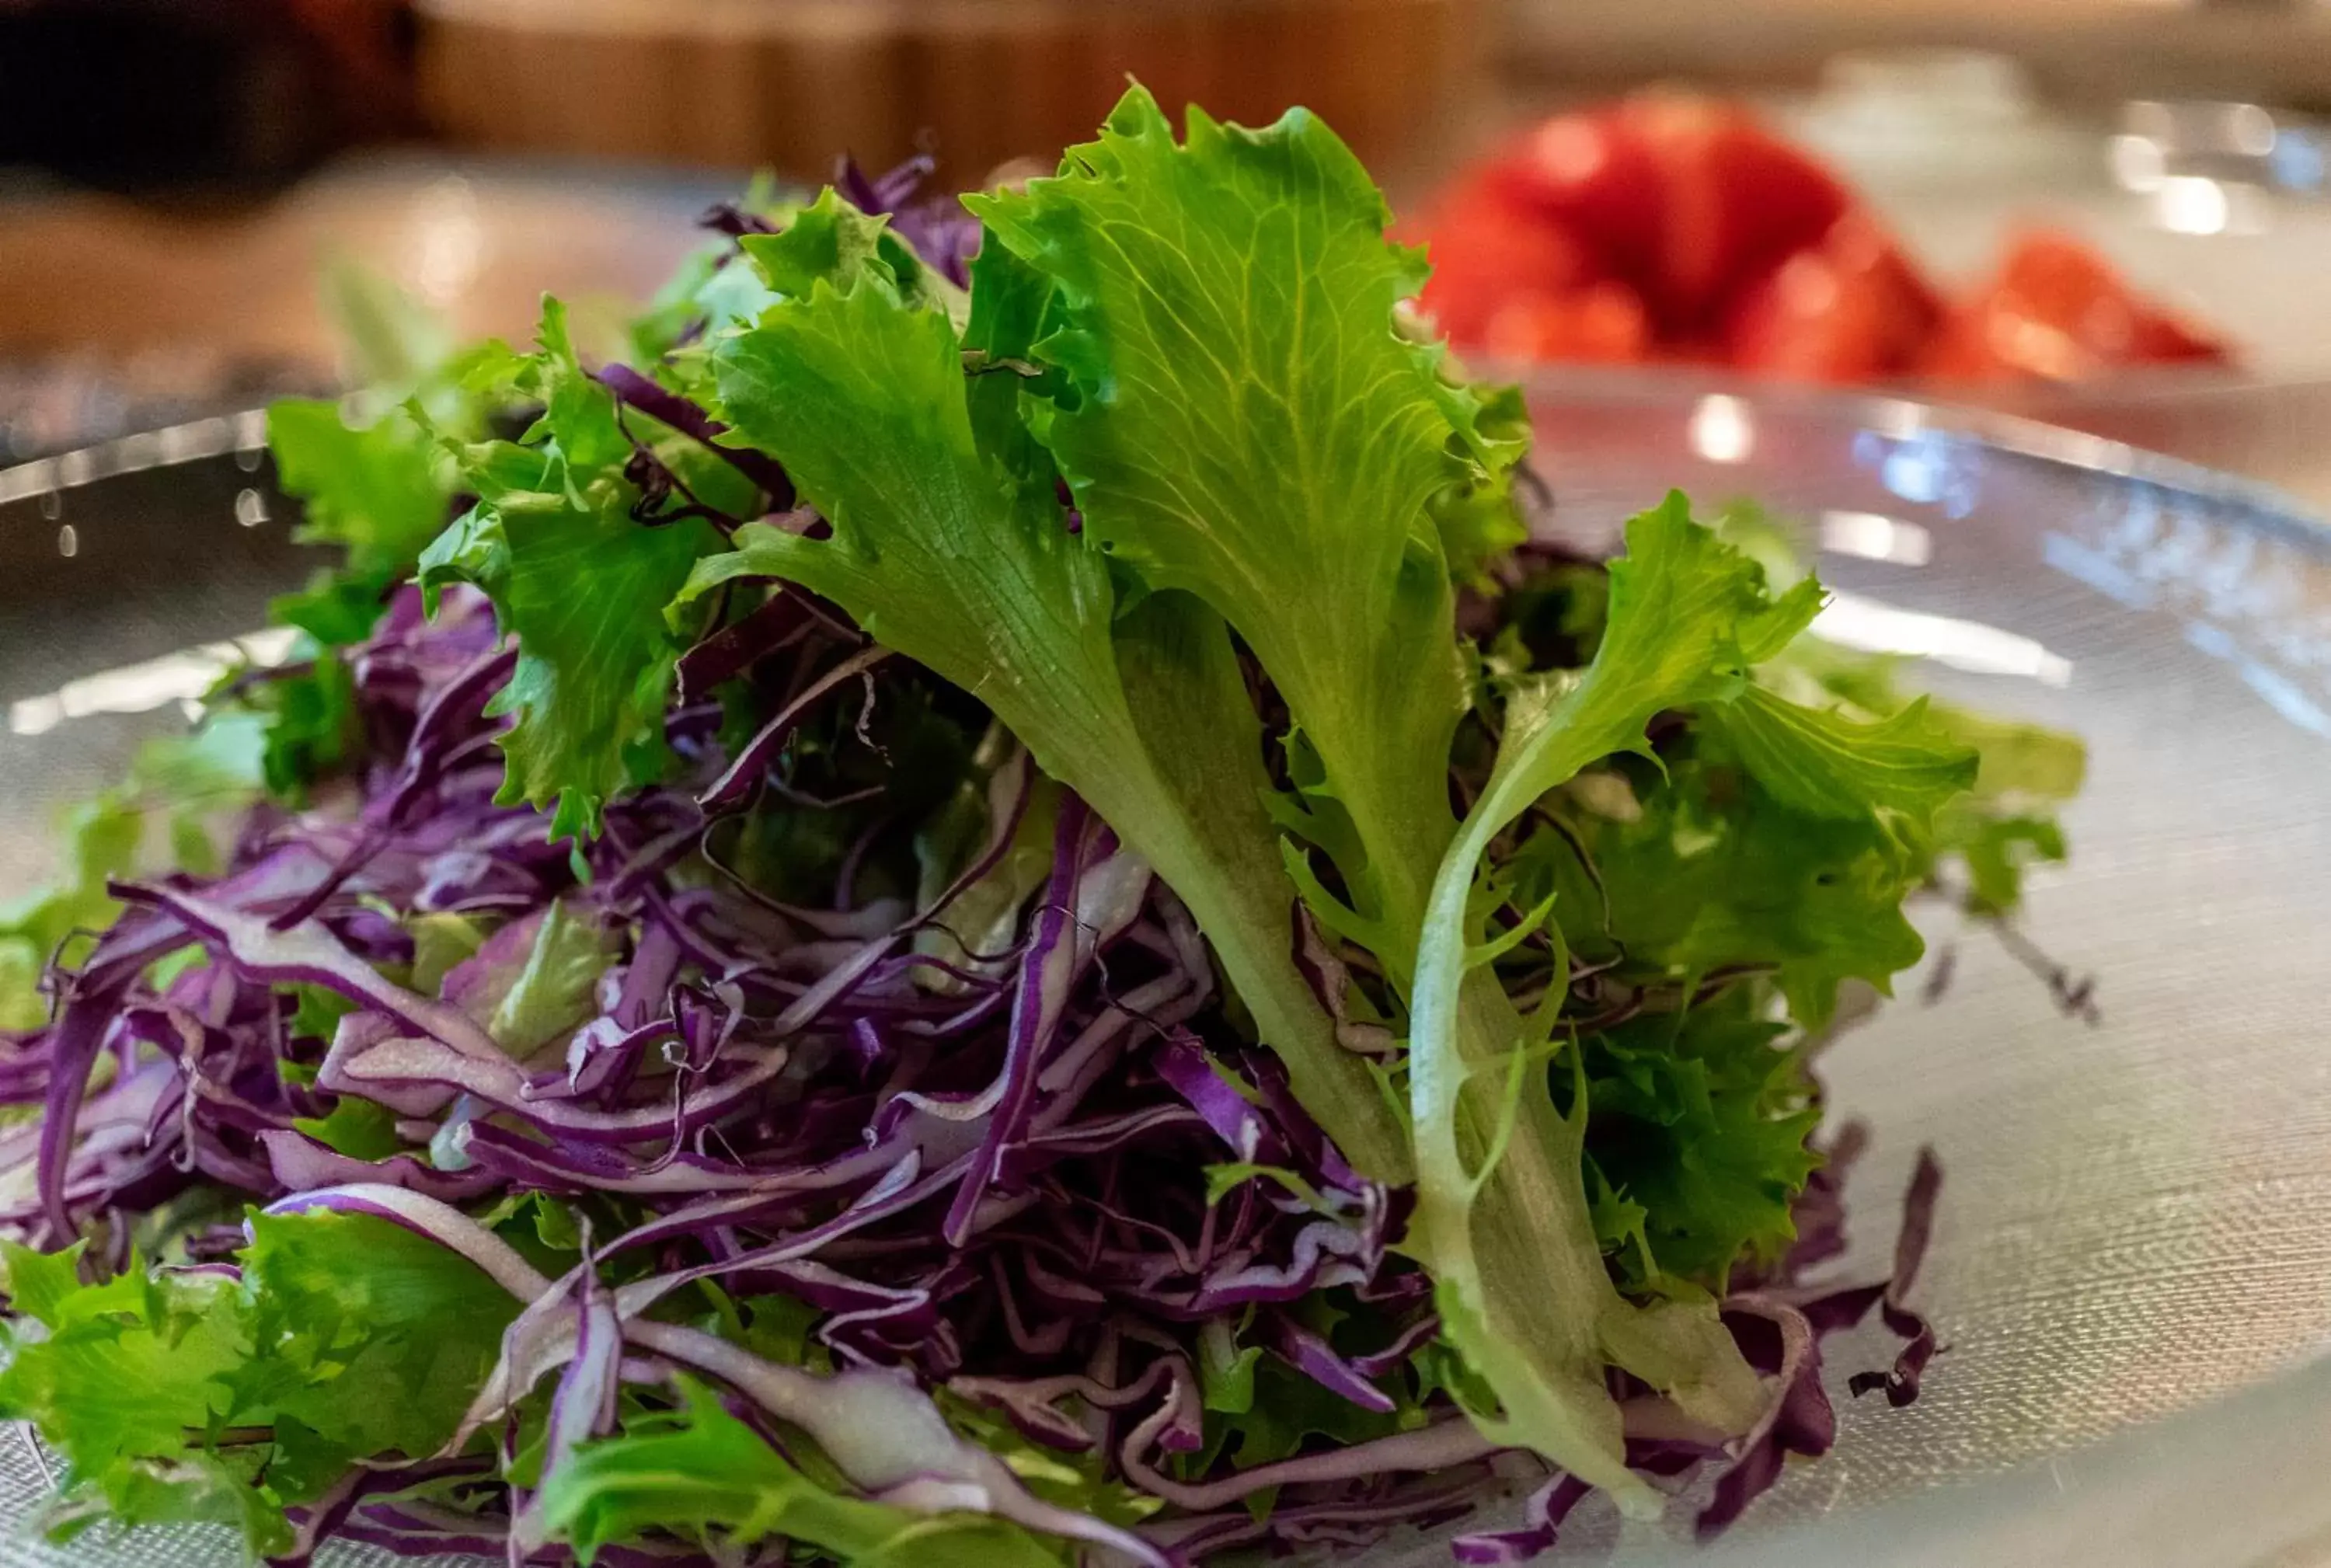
1518 1260
1520 1274
1516 1254
1252 934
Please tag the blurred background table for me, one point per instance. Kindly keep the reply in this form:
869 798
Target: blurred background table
979 81
173 178
2277 50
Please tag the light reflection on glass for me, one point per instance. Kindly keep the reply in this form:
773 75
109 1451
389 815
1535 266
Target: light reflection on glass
2297 161
1872 626
2282 693
45 477
1895 419
2198 205
2240 596
154 683
1928 468
1722 430
2138 163
1875 537
2251 128
2100 571
2192 205
132 454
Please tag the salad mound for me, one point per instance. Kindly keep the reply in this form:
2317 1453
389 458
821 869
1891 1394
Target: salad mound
985 905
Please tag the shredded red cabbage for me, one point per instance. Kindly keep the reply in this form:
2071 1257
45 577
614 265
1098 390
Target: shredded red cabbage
986 1171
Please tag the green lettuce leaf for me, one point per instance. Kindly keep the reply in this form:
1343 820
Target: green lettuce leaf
954 553
1517 1264
390 339
1998 852
360 1128
1716 875
181 1396
440 940
831 239
374 1338
580 583
583 589
377 489
127 1375
1245 425
1280 1411
551 991
2005 824
1700 1122
703 1475
366 467
1827 764
181 783
99 839
308 719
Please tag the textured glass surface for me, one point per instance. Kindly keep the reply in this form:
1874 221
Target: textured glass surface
2136 1218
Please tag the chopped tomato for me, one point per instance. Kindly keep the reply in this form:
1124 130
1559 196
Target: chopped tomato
1486 251
1737 201
1849 309
2058 312
1601 324
1594 176
1667 226
1683 197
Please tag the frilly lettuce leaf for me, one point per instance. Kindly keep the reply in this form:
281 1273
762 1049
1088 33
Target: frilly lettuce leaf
580 581
1512 1244
186 1395
701 1474
957 553
176 782
1827 764
378 489
1715 874
1244 421
530 995
1701 1124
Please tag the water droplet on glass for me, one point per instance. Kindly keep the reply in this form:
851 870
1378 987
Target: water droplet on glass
53 505
68 542
249 509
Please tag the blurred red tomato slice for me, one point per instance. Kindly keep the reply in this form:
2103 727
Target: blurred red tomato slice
1593 174
1486 250
1686 198
2058 312
1850 308
1601 323
1671 225
1736 201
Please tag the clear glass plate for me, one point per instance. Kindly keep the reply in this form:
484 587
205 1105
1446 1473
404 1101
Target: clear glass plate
2137 1218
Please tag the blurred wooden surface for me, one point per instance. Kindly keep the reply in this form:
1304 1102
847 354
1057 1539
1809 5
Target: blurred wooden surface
791 83
95 278
2105 51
